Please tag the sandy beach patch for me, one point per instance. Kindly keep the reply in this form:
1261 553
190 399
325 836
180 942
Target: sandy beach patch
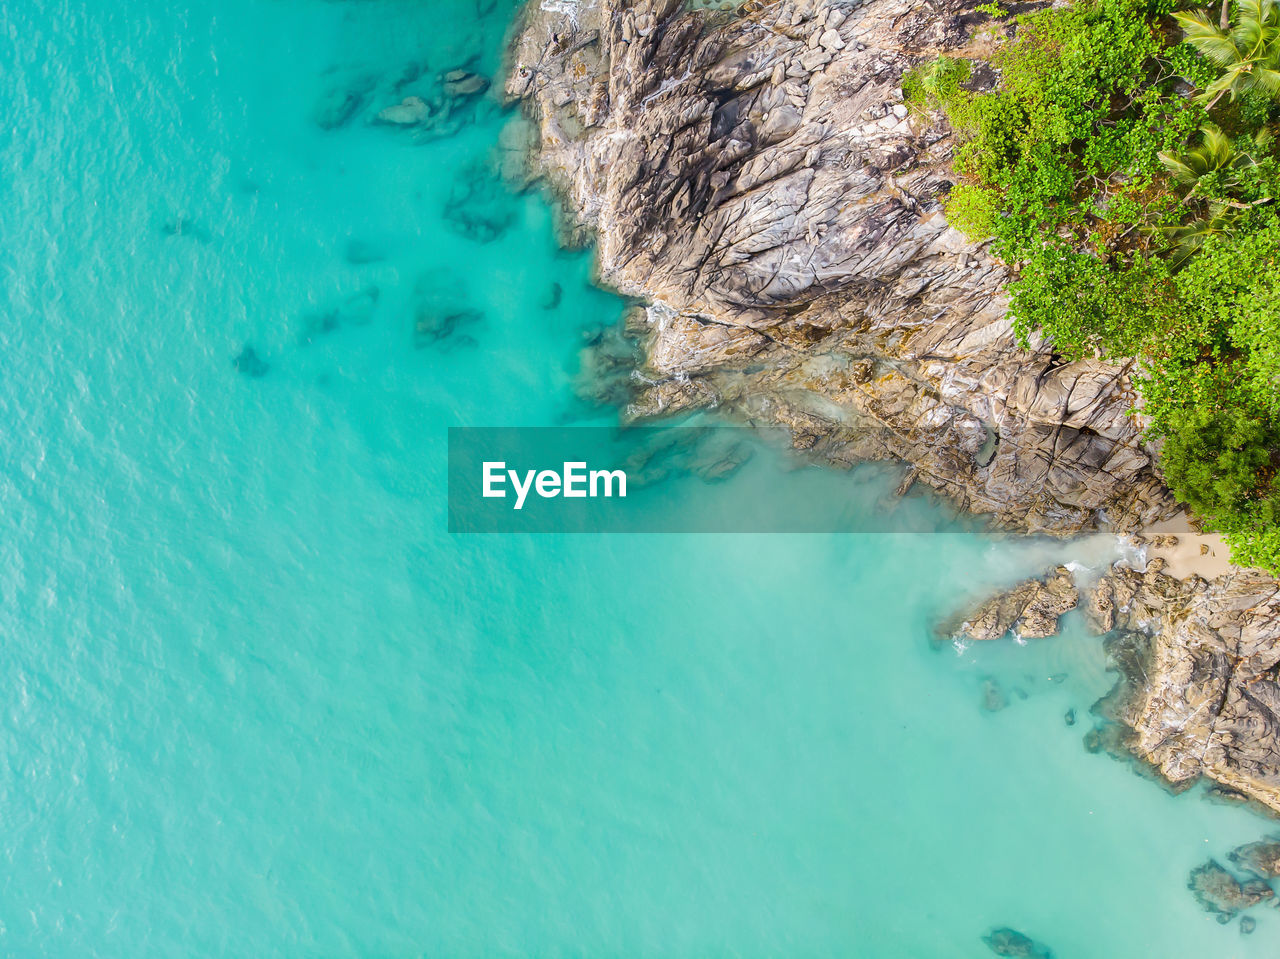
1193 553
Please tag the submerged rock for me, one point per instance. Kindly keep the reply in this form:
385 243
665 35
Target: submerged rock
355 310
517 139
479 207
440 312
1129 654
1222 895
709 454
993 697
1260 858
1247 925
551 299
1226 796
1069 717
249 363
431 107
461 84
1105 737
318 324
182 226
432 327
1030 610
343 101
408 112
1010 942
606 367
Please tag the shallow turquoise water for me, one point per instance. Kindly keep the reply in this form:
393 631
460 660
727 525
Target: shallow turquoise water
257 702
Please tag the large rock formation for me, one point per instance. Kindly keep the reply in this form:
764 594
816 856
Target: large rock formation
1222 895
1261 858
1030 610
755 177
1202 697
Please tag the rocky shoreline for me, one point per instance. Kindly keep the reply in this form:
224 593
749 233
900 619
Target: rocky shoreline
752 176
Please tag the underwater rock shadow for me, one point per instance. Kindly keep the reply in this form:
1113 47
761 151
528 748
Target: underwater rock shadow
440 311
1010 942
248 363
608 365
344 100
355 310
181 226
479 207
1224 896
409 98
552 298
993 696
1261 858
660 454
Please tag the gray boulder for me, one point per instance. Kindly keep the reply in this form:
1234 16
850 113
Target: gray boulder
1222 895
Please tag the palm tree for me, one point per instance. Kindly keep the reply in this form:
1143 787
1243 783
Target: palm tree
1188 238
1215 153
1249 52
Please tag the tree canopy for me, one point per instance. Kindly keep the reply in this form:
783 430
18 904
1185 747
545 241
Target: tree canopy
1123 167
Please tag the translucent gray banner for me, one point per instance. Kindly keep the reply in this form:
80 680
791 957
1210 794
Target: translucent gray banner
676 479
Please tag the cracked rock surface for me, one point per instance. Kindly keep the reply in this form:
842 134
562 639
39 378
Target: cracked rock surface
1029 610
1202 697
1222 895
755 180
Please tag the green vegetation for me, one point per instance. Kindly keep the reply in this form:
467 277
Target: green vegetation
1247 49
1124 169
935 85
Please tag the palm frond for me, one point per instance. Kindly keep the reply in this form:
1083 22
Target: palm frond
1217 146
1267 79
1177 169
1228 81
1249 10
1211 42
1188 238
1248 28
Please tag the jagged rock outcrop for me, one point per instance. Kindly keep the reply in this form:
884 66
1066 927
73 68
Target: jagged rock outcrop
1261 858
1030 610
754 178
1201 692
757 179
1222 895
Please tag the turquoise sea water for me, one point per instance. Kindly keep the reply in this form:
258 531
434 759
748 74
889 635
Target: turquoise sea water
255 701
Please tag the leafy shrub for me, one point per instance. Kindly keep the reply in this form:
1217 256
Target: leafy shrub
1221 463
1136 226
935 85
973 210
